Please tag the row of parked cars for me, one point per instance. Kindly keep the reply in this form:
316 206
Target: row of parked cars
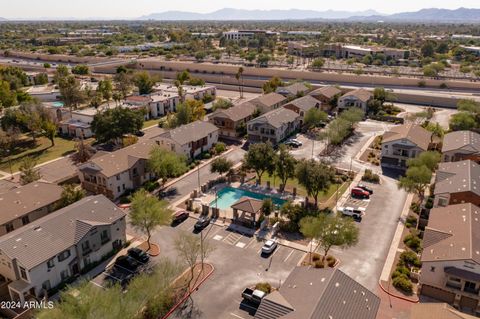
361 191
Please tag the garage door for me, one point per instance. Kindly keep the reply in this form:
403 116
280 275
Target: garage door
467 302
437 293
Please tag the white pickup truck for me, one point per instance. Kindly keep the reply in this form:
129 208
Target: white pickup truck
356 213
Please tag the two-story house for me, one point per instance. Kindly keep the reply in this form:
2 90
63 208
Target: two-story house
327 95
293 90
273 126
402 143
356 98
157 104
302 105
269 102
112 174
230 121
190 139
461 145
451 256
56 247
457 182
25 204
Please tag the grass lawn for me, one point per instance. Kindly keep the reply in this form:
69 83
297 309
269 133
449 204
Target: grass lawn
42 152
150 123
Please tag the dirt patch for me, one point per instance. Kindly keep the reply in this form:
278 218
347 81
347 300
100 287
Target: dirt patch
315 260
153 251
199 273
293 237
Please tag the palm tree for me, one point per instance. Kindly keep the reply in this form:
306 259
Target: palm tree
239 76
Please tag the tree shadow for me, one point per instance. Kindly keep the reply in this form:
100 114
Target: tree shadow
188 310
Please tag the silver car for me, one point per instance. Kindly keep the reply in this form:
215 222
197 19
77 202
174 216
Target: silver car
269 246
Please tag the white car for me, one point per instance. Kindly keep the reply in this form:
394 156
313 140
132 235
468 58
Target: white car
356 213
269 246
293 142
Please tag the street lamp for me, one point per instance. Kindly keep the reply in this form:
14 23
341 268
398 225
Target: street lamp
10 163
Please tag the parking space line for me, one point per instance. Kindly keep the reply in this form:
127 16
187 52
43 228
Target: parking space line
289 255
250 242
232 314
276 250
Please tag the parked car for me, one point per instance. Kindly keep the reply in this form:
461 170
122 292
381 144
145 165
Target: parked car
202 222
356 213
365 188
127 262
359 193
139 255
293 143
179 216
254 296
269 246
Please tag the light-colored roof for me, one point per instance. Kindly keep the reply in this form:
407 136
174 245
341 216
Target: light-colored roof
119 161
189 132
465 140
269 99
327 91
20 201
436 310
361 94
48 236
237 112
414 133
453 233
293 89
311 293
247 204
456 177
276 118
305 103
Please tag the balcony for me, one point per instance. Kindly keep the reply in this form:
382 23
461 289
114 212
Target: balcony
86 251
471 290
454 285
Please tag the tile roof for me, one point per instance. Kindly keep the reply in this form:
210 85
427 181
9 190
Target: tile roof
277 117
293 89
310 293
22 200
455 177
189 132
121 160
237 112
305 103
48 236
361 94
467 140
436 310
414 133
327 91
247 204
452 233
269 99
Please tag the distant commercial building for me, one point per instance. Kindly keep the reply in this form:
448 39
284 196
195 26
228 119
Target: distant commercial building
473 49
236 35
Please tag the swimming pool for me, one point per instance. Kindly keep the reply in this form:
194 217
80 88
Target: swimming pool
228 196
57 104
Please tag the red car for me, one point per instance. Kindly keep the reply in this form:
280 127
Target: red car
359 193
179 217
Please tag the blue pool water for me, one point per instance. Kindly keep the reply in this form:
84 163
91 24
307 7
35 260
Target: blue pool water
57 104
228 196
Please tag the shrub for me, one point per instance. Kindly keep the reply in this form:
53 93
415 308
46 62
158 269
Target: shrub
319 264
315 257
331 261
403 270
415 207
403 283
422 84
264 286
207 155
220 148
413 242
125 200
370 176
411 259
411 221
443 85
150 186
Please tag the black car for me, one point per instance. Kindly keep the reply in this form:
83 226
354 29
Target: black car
365 188
139 133
127 262
179 217
202 222
139 255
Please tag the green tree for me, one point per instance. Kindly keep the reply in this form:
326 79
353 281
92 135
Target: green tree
330 231
148 212
317 63
113 124
272 85
183 77
7 96
28 172
123 83
49 130
261 158
61 72
284 166
221 165
315 176
314 118
71 193
428 49
105 88
166 164
429 159
189 111
267 206
416 180
81 69
71 92
239 77
144 82
221 103
462 121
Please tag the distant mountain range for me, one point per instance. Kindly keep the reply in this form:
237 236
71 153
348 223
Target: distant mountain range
240 14
424 15
3 19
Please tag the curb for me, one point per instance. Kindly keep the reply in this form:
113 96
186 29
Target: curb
171 311
396 296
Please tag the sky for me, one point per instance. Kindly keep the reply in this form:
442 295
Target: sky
79 9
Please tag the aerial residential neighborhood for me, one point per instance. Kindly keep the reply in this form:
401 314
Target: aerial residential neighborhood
239 160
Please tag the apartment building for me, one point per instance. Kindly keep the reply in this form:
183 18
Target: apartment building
461 145
78 124
190 139
232 120
356 98
236 35
302 105
402 143
269 102
25 204
190 92
450 259
273 126
157 104
57 247
326 95
457 182
112 174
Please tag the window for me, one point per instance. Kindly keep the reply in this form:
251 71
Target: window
63 255
104 236
23 273
118 189
432 269
86 247
46 285
118 177
64 274
123 186
9 227
25 220
50 263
